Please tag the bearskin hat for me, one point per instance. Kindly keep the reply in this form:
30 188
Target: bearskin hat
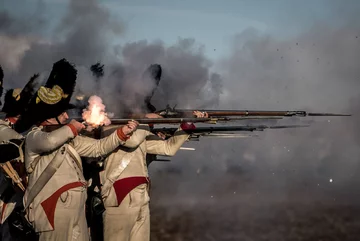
1 82
153 72
50 100
97 70
63 74
16 100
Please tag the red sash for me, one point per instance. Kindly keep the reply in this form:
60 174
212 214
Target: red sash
124 186
49 204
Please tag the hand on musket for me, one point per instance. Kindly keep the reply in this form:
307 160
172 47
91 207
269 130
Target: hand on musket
78 126
130 127
197 114
153 116
200 114
156 116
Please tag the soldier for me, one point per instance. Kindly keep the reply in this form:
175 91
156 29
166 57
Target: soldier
6 132
1 83
126 182
56 193
152 73
15 101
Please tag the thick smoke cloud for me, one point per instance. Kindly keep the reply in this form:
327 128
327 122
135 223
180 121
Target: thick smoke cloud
315 71
83 36
318 71
186 78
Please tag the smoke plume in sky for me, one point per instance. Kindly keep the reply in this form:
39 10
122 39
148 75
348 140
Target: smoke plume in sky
317 70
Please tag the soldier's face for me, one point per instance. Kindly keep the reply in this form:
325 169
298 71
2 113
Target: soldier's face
63 118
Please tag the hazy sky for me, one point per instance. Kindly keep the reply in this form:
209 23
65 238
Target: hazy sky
212 23
274 55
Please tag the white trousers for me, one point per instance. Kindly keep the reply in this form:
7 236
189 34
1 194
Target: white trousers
70 220
130 221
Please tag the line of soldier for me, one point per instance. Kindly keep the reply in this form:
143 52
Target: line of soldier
56 189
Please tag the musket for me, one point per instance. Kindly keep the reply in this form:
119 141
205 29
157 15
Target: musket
230 128
215 131
169 112
116 121
11 173
177 120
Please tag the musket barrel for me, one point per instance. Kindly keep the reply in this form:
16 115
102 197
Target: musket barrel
147 121
185 112
214 113
247 113
160 120
231 128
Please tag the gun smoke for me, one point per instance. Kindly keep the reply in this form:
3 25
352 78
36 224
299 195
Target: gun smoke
317 70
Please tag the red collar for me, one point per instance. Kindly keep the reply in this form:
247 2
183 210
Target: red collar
12 120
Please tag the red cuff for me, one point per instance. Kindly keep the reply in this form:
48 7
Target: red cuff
151 125
187 126
73 129
121 134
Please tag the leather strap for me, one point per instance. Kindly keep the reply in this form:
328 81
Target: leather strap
46 175
116 171
73 153
10 172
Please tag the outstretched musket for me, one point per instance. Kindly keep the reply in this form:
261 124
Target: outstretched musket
177 120
223 131
169 112
115 121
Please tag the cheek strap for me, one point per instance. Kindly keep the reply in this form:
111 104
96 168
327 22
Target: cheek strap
57 120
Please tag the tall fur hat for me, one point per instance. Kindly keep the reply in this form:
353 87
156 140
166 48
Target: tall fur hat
16 100
97 70
153 72
1 82
52 99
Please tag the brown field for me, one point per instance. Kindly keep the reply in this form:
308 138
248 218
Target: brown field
275 222
281 222
304 214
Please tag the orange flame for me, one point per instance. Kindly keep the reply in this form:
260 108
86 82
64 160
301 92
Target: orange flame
94 114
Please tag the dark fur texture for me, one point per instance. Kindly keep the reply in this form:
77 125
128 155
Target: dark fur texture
97 70
153 72
13 107
1 83
64 75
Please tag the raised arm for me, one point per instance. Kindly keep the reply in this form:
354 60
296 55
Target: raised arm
6 133
138 136
169 147
89 147
39 142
